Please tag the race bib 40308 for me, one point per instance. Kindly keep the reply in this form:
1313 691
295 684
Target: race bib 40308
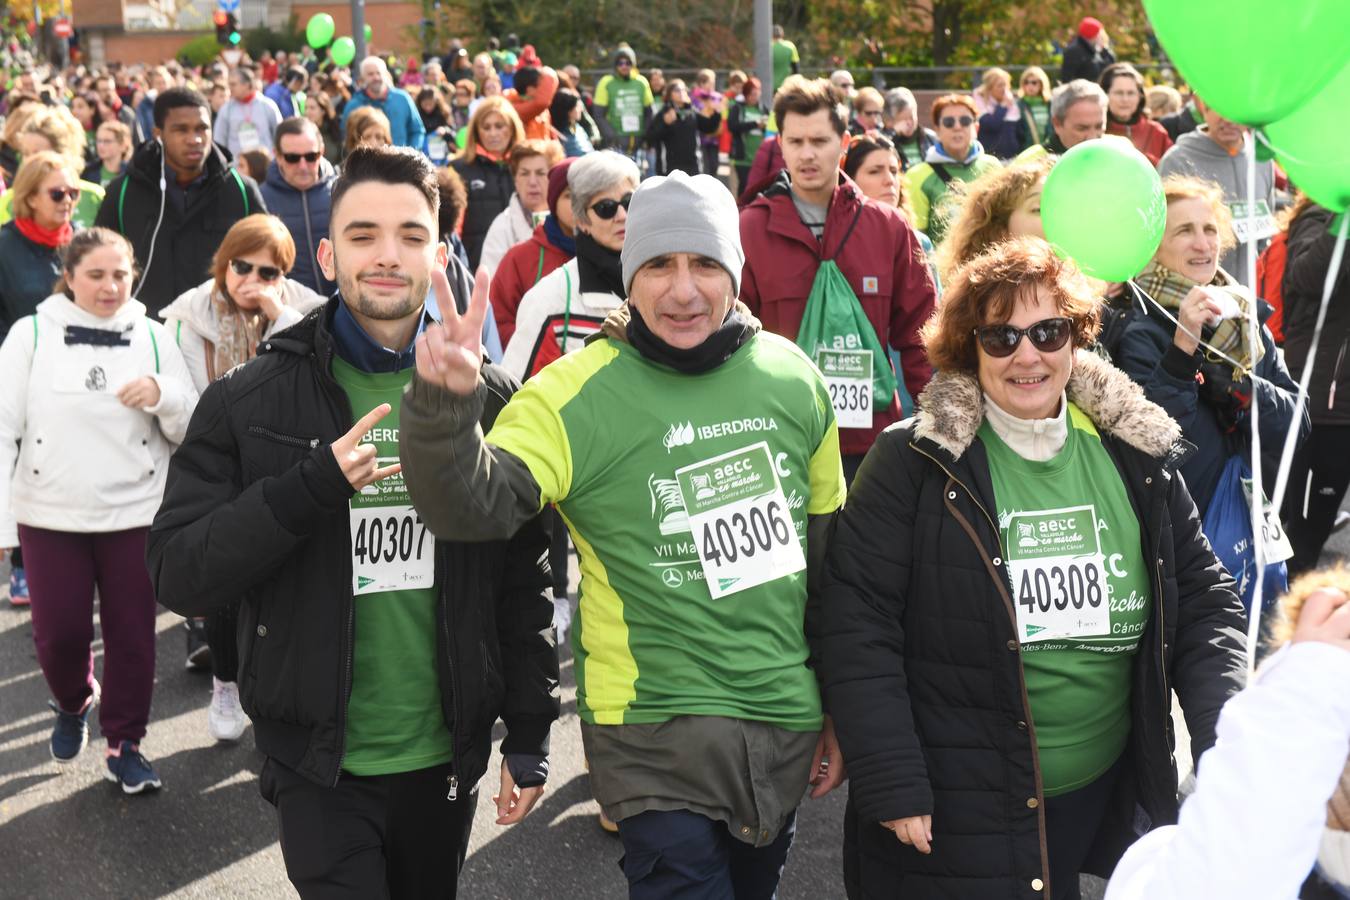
391 547
1058 574
740 520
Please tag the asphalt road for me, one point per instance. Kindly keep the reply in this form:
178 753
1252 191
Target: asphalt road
66 832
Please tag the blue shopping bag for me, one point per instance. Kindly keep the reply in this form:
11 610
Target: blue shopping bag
1228 525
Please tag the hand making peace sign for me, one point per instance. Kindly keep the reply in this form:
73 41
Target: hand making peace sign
450 355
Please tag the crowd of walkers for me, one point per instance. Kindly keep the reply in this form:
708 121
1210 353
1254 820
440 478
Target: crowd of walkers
866 484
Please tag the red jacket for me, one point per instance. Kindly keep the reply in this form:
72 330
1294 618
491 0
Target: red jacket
882 261
520 269
764 169
534 111
1148 137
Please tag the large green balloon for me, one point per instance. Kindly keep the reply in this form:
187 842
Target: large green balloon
1312 144
320 30
343 51
1103 207
1251 63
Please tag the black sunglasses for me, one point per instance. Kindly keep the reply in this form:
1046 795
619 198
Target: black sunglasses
59 194
294 158
953 121
1047 336
266 273
608 209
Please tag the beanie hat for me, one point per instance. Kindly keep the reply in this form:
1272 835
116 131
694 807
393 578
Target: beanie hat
1089 28
557 183
625 53
680 214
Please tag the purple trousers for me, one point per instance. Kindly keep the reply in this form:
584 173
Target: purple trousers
63 568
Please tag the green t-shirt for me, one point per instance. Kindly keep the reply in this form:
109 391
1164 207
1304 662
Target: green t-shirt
1082 593
394 718
751 140
608 435
624 100
784 55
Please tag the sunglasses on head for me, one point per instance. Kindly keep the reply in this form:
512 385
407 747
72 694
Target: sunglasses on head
266 273
1047 336
294 158
59 194
953 121
608 209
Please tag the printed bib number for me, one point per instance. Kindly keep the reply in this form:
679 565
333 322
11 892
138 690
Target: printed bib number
248 137
391 547
1276 547
1058 575
630 123
1260 226
740 520
437 149
848 376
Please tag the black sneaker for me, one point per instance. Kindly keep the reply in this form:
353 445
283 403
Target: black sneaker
131 770
198 650
71 732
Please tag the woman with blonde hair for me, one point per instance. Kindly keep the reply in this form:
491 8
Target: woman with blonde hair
1004 203
219 325
112 148
1033 93
1004 130
493 132
55 129
367 126
42 198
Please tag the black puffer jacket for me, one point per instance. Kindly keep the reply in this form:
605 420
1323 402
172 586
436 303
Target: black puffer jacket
256 506
922 667
1310 248
489 186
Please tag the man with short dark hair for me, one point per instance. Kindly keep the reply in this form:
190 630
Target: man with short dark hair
377 657
106 88
531 95
296 190
248 120
288 92
813 213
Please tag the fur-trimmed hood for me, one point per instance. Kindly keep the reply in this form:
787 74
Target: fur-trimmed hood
951 408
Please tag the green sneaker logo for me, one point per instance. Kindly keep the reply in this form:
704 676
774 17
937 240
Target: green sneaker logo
362 581
1034 629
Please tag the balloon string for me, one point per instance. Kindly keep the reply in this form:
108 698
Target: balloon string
1258 496
1287 453
1265 139
1238 368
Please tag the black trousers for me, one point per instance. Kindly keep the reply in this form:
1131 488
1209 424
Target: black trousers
221 627
380 836
1317 484
1072 821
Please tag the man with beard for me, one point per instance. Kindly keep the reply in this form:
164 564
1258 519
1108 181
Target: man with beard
374 658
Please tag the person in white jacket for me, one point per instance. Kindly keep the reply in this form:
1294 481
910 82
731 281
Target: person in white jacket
1259 815
218 325
529 162
96 397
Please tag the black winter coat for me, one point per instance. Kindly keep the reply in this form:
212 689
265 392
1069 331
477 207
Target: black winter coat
922 667
1084 60
28 275
256 507
189 237
489 186
1145 352
1305 272
678 141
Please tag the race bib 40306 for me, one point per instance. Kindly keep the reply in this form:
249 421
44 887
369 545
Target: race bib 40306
391 547
740 520
1058 574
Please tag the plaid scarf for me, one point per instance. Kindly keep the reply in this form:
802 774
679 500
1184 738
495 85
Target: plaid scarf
1230 336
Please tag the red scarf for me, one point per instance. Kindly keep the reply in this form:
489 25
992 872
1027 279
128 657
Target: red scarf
47 237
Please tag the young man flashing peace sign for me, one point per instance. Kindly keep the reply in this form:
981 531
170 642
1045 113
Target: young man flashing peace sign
695 459
373 658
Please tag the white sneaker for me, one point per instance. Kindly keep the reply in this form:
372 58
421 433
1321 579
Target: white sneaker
562 618
226 717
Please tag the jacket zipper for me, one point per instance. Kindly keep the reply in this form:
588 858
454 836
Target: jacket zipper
1021 673
288 439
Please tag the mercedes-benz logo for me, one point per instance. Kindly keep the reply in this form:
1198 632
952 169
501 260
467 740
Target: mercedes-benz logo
672 578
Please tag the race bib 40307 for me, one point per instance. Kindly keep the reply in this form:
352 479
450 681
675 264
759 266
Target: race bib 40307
1058 574
391 547
740 520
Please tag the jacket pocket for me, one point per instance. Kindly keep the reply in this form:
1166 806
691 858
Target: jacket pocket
281 437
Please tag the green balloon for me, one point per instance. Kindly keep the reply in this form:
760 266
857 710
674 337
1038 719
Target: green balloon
320 30
1311 144
369 33
1103 207
343 51
1252 65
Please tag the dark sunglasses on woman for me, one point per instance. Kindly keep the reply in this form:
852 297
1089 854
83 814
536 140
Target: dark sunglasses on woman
953 121
608 209
1047 336
59 194
266 273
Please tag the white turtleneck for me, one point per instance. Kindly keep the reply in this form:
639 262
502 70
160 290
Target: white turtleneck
1036 440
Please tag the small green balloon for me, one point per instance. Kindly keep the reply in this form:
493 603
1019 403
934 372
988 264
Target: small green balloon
370 34
1311 144
343 51
320 30
1103 207
1253 66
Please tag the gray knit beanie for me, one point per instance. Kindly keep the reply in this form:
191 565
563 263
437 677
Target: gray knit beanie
680 214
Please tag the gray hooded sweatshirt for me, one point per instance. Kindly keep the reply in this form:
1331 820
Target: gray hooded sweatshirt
1196 153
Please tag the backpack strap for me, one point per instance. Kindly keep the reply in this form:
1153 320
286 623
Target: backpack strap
940 170
35 332
849 233
238 179
121 199
153 343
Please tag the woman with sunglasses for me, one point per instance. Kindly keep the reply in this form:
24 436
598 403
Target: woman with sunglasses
219 325
956 156
1005 128
1033 95
1016 587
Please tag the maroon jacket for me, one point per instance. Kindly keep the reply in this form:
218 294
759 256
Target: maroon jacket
1148 137
520 269
882 261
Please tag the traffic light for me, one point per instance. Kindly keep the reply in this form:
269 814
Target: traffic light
227 28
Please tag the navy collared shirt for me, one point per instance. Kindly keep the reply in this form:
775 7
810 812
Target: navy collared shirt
355 346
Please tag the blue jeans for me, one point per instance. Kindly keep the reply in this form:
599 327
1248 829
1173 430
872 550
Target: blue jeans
681 855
